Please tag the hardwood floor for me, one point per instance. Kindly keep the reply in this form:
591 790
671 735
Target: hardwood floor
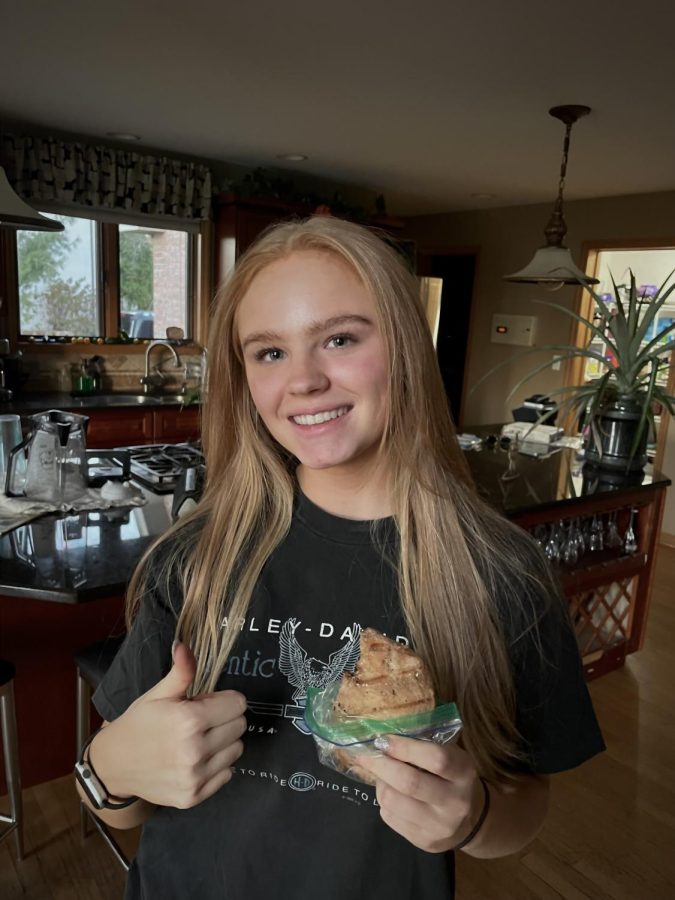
610 834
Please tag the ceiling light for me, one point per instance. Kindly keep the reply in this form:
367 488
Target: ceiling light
14 213
123 136
552 264
483 196
292 157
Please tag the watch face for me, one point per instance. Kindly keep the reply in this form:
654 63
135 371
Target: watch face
91 785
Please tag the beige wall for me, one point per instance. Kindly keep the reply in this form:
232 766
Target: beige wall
506 240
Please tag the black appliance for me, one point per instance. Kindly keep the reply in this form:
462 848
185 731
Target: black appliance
188 490
533 407
159 467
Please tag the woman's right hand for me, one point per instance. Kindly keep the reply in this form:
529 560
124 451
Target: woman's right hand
168 749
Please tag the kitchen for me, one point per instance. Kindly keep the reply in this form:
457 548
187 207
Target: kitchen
503 232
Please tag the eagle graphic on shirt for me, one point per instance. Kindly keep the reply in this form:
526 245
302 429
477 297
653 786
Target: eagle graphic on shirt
305 671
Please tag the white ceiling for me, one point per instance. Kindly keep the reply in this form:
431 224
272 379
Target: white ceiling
426 102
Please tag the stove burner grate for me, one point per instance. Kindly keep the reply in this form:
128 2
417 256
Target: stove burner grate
159 466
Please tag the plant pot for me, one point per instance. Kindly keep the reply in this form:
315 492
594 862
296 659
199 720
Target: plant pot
598 480
616 426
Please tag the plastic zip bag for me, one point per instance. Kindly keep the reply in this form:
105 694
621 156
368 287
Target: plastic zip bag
341 739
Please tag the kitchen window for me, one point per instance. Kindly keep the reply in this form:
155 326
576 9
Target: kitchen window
105 278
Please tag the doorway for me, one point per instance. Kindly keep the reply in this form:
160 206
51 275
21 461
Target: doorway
457 271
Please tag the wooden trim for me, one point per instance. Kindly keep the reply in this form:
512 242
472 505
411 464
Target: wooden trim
667 540
574 368
27 347
649 521
203 283
664 424
9 292
108 292
109 274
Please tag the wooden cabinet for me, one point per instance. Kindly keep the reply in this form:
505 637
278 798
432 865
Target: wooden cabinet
608 590
127 426
239 221
118 427
599 530
176 423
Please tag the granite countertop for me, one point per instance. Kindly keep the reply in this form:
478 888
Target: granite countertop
556 480
26 404
82 556
89 555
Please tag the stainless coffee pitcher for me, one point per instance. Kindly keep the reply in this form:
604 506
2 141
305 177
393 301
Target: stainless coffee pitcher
56 459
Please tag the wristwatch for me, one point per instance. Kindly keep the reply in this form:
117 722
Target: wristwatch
92 785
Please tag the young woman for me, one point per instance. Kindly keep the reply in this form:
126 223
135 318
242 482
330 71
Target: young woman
337 498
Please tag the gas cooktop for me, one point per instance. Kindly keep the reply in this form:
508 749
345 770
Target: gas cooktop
159 466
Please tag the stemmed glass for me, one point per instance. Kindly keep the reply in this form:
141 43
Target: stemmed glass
570 549
540 535
630 543
578 535
613 540
595 537
552 548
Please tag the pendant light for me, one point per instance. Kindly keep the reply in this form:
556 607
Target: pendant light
15 213
552 265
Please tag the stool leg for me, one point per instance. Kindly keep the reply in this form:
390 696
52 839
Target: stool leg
10 747
82 730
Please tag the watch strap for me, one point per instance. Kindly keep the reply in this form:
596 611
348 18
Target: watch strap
92 785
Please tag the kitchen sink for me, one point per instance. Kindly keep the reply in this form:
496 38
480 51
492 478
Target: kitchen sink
138 399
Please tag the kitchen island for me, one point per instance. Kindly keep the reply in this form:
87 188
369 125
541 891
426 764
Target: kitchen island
62 579
62 584
599 529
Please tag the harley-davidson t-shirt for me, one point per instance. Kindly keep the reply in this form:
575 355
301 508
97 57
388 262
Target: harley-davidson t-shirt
286 826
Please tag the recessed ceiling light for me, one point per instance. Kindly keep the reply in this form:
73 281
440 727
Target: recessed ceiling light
292 157
482 196
123 136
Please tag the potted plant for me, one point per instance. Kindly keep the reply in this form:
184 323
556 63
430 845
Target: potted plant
616 410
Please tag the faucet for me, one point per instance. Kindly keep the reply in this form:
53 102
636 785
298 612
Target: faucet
157 378
204 369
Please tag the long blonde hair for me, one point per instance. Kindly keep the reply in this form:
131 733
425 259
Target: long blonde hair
456 553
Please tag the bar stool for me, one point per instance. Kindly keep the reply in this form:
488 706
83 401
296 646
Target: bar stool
92 663
10 749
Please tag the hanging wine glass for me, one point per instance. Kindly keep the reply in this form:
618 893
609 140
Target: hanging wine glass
552 548
570 551
613 539
630 543
595 538
578 536
539 534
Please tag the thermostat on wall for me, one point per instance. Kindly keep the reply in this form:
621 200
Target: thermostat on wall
507 329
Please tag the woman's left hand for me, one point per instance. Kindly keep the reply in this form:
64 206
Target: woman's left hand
428 793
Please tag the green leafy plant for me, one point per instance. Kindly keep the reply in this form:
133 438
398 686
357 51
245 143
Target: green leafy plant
630 372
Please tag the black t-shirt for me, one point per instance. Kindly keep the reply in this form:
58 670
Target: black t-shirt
286 826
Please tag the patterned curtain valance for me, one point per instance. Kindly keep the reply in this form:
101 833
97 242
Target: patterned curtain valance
56 171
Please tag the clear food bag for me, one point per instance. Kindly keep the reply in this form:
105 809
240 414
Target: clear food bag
340 740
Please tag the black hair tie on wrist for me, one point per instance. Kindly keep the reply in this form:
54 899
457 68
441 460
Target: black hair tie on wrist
481 818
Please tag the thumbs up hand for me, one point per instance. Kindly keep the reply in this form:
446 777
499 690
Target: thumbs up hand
168 749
